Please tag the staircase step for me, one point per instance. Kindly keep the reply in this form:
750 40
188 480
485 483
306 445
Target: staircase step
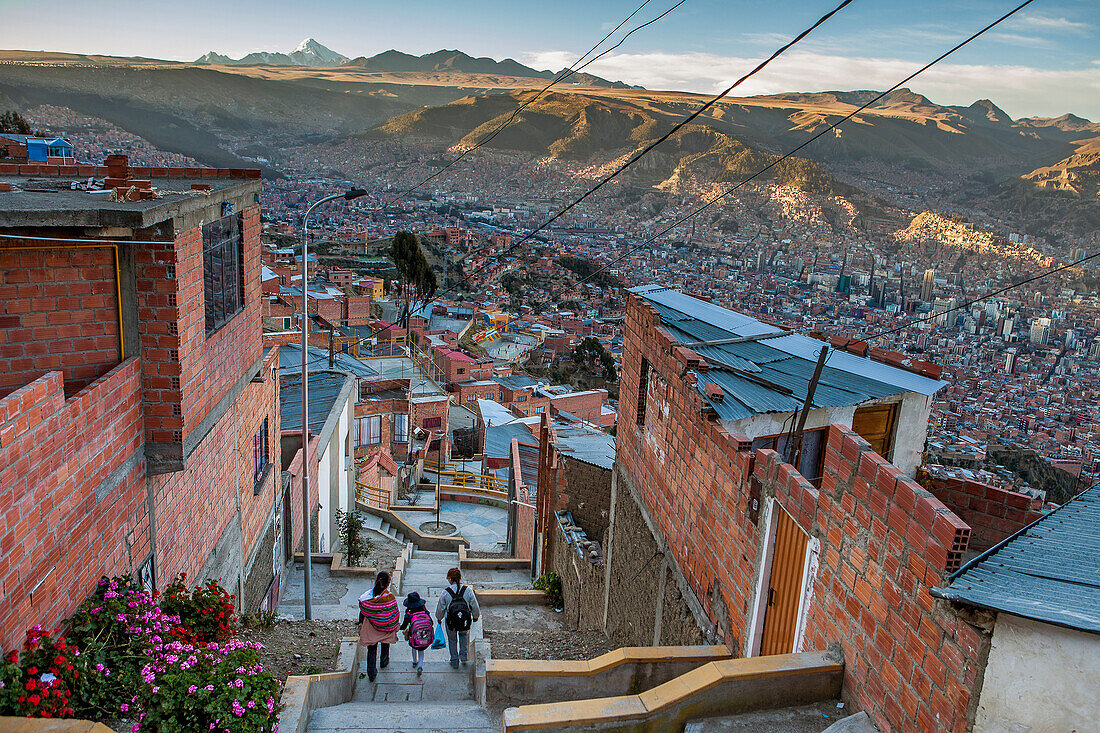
410 716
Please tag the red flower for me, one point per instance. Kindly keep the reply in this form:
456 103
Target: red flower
33 699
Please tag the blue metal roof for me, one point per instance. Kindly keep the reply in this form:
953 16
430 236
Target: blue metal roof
771 372
1049 571
290 362
324 389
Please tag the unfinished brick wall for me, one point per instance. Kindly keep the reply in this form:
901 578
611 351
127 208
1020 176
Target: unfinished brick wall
257 500
582 581
992 513
884 541
57 534
209 365
585 405
910 661
581 488
297 528
58 310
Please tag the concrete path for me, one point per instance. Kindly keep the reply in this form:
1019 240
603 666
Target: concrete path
397 701
333 598
486 527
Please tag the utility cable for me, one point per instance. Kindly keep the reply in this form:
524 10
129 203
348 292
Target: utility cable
562 76
791 152
633 159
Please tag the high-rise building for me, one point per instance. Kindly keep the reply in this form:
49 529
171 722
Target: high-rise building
928 285
940 308
1010 361
1040 331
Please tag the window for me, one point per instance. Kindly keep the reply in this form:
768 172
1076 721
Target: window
461 370
812 456
368 430
222 270
500 397
432 422
643 389
260 452
538 410
400 428
521 398
471 397
286 323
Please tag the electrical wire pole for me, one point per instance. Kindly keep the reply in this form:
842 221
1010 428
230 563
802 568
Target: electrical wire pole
307 539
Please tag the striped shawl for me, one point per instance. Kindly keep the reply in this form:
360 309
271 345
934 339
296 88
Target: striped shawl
381 612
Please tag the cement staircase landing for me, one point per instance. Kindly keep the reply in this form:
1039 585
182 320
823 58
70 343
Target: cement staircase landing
398 701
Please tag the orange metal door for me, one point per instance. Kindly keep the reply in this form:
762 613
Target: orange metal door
784 586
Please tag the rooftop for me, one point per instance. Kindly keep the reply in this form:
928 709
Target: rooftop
324 391
765 369
41 196
1049 571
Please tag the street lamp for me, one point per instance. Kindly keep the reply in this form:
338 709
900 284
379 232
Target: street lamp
347 196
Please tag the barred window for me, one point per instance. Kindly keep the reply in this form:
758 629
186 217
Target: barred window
260 452
222 270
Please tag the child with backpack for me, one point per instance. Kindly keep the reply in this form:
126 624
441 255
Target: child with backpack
458 605
418 628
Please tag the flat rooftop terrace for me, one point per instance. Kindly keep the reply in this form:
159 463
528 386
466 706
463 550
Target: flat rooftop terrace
40 200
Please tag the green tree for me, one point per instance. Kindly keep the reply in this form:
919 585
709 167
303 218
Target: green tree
417 280
13 122
591 354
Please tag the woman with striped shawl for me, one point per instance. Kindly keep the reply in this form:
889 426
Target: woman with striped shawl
379 620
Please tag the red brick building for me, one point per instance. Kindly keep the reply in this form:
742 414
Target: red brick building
732 543
133 390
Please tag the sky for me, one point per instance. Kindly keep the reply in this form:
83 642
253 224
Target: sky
1045 61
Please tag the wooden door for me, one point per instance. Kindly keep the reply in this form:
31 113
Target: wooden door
876 425
784 586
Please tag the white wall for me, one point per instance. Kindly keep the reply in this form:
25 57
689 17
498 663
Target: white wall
1040 678
909 436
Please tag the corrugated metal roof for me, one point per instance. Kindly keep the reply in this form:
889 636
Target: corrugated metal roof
785 360
1049 572
579 441
290 362
324 389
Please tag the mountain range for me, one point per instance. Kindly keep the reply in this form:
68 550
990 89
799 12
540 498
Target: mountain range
308 53
312 53
1045 169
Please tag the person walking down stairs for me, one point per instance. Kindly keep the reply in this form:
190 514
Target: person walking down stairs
418 628
458 605
378 622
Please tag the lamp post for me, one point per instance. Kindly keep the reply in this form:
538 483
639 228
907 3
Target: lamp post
347 196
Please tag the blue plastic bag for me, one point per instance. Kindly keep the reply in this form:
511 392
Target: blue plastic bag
440 637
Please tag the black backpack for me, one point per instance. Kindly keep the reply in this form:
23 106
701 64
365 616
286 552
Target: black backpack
458 610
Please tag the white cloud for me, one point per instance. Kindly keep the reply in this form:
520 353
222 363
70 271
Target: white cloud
1019 90
1049 23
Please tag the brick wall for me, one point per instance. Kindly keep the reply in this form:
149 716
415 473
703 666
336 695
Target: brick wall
210 365
585 405
297 529
57 537
910 662
992 513
581 488
58 310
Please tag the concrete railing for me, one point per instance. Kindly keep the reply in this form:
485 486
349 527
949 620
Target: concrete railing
726 687
512 682
490 563
505 597
413 534
303 694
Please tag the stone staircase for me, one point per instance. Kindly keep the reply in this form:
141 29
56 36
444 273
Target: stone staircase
398 701
378 524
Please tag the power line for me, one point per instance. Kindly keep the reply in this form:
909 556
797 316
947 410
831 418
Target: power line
562 75
790 153
759 67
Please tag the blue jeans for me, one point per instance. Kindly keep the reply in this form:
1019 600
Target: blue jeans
458 643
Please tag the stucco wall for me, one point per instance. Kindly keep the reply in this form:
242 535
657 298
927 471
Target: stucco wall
909 436
1040 679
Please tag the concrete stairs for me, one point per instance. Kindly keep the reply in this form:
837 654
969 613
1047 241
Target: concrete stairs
371 521
398 701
